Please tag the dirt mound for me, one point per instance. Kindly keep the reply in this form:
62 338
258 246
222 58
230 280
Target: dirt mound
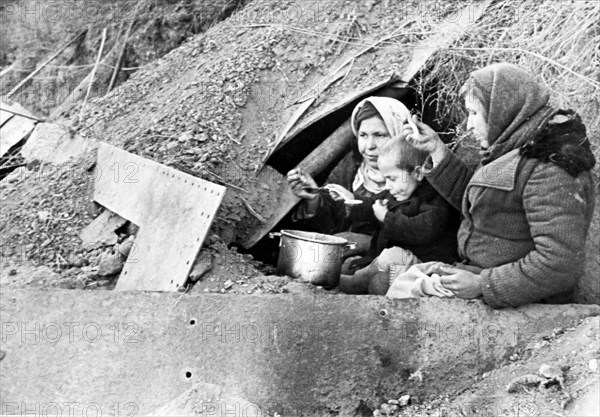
574 351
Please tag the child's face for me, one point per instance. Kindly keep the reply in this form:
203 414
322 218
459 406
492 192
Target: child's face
399 182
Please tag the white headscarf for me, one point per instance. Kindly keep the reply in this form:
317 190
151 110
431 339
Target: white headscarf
392 111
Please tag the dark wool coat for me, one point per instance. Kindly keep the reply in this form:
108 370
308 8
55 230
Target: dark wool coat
425 224
526 214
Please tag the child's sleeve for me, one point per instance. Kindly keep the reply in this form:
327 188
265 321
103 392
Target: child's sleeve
424 228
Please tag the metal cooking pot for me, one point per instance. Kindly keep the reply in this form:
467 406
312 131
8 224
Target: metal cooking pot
311 257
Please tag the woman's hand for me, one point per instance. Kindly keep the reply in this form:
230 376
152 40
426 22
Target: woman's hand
424 138
463 284
380 209
339 193
299 181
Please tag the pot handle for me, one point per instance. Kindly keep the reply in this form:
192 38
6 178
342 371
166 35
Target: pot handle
350 245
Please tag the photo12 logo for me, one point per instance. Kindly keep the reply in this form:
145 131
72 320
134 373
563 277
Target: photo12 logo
69 332
65 11
68 409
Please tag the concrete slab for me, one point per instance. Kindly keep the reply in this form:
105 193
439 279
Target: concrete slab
297 355
54 143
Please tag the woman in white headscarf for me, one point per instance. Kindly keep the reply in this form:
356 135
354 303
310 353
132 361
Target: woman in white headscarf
375 120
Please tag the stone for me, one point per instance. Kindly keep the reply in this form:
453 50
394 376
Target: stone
593 365
110 264
76 260
44 215
404 400
125 248
203 265
385 409
184 137
54 143
101 231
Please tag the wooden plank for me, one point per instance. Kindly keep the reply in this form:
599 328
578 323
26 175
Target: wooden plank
336 145
173 209
13 131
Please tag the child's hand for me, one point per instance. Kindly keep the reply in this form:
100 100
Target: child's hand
380 209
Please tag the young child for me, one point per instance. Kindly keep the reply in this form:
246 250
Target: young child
417 224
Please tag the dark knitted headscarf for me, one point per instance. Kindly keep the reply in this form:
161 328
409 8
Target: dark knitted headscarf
511 97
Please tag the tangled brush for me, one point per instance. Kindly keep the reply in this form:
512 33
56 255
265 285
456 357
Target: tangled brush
555 41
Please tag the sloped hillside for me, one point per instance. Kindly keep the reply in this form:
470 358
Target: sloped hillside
138 33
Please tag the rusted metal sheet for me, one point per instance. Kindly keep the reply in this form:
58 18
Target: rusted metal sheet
173 209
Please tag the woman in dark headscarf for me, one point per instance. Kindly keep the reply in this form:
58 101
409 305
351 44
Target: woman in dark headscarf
528 206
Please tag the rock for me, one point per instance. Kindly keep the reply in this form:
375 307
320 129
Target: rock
76 260
388 409
296 287
184 137
125 248
110 264
203 265
55 144
404 400
593 365
131 229
550 371
101 231
172 145
228 284
43 215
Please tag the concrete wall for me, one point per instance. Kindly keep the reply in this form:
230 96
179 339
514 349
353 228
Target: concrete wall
298 355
